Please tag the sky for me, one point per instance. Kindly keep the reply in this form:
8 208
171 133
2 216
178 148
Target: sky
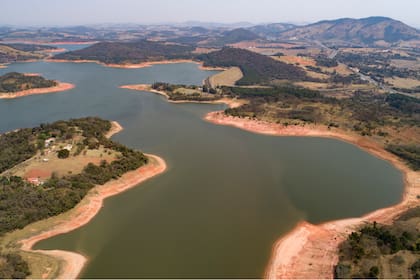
80 12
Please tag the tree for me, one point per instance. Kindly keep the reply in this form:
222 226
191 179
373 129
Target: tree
64 153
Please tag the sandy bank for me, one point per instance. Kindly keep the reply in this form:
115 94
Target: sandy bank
232 103
115 128
60 87
311 251
86 210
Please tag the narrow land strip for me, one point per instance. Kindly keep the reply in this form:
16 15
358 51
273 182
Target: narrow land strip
58 88
232 103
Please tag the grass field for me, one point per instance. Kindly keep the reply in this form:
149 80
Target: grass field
42 166
403 83
226 78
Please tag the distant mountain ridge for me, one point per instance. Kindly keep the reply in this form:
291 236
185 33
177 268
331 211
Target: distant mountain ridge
364 31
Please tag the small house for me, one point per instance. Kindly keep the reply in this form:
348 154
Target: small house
49 141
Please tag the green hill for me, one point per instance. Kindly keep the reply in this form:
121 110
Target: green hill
13 82
256 68
133 52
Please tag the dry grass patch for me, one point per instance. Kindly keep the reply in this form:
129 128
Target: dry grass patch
226 78
403 82
43 166
297 60
406 64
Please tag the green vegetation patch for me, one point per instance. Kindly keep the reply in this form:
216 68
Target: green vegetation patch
13 82
256 68
133 52
12 266
187 92
22 202
409 153
379 251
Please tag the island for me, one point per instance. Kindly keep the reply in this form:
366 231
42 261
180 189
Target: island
53 179
14 85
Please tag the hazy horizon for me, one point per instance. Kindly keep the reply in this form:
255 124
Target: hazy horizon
91 12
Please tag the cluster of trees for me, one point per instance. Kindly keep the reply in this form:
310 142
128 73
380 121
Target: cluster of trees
12 266
175 92
10 54
287 101
256 68
409 153
324 61
132 52
13 82
350 79
377 65
22 203
364 113
16 147
360 253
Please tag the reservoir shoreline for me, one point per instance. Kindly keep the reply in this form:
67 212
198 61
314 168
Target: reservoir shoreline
34 91
232 103
138 65
71 263
311 251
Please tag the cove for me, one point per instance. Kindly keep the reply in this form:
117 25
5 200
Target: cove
228 194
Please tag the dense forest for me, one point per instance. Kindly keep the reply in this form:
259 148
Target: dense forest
22 203
256 68
133 52
12 266
379 251
13 82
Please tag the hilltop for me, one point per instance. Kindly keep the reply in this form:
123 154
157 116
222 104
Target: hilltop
256 68
232 36
133 52
365 31
21 52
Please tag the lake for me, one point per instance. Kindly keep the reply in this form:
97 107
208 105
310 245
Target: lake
227 195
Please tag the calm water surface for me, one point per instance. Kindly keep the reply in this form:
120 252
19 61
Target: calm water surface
227 195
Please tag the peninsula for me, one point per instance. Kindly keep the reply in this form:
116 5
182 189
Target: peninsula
72 166
14 85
